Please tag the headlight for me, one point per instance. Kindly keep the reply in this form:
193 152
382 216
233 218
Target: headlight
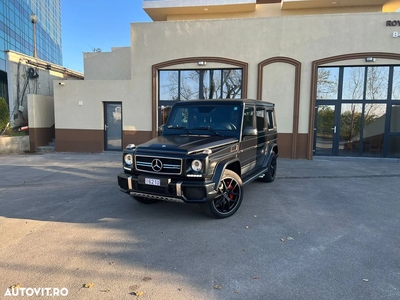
128 159
196 165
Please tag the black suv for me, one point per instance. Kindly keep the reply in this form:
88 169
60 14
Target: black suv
207 151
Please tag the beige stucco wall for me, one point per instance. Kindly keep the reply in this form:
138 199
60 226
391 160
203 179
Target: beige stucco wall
117 64
79 104
304 38
273 75
40 111
274 10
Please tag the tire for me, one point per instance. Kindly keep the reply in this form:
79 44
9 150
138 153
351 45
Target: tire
144 200
228 199
270 175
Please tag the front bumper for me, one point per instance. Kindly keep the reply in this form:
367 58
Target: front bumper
169 190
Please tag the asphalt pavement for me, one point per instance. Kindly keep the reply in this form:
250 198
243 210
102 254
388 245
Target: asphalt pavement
325 229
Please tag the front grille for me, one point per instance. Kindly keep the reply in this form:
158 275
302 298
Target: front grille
166 165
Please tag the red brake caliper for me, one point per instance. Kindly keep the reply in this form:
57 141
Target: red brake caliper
230 187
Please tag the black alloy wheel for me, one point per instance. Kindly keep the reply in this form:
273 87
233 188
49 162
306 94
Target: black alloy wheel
270 175
228 199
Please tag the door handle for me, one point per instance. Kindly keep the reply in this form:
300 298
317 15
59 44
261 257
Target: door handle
105 127
334 129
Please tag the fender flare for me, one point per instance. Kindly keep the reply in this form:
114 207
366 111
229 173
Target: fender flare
268 155
220 168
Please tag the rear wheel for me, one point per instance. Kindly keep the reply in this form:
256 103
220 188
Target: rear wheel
228 199
269 176
144 200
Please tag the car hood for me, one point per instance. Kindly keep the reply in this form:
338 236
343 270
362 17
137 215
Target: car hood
186 144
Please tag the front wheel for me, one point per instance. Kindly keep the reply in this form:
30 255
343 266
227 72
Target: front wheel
144 200
228 199
270 175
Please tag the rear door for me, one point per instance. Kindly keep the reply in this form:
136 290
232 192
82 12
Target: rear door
262 131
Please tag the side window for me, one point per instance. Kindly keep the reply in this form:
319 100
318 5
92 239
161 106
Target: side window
270 119
260 118
248 116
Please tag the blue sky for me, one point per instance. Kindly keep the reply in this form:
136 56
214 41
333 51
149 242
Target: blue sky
88 24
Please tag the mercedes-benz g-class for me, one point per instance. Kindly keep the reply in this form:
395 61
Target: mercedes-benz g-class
207 152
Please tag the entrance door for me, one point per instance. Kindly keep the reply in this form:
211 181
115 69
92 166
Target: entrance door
325 131
350 129
112 126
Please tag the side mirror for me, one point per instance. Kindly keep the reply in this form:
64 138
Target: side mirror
250 131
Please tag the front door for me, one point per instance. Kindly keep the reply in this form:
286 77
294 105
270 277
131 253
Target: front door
112 126
355 110
248 147
325 131
349 129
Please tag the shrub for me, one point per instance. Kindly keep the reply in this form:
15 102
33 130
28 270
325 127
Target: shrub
4 114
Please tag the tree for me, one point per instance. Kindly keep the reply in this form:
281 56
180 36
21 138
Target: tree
201 84
326 116
377 83
232 84
396 84
4 114
327 84
353 88
350 124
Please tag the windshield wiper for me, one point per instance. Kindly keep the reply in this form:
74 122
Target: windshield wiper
209 128
179 128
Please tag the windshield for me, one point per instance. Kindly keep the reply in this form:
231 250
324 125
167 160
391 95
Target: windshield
208 119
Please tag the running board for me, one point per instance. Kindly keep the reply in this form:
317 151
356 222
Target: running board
252 177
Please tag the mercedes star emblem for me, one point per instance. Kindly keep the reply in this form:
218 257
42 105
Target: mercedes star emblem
156 165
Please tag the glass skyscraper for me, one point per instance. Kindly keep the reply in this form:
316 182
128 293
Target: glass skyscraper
16 32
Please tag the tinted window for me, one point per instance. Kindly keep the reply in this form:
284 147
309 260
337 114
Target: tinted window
203 116
248 116
270 119
260 118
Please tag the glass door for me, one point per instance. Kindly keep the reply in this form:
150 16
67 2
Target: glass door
355 110
325 140
350 129
112 126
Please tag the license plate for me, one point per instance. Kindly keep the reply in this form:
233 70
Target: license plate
152 181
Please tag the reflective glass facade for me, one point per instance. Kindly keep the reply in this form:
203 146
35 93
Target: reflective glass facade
16 32
358 111
16 29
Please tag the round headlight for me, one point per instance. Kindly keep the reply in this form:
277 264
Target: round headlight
128 159
196 165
